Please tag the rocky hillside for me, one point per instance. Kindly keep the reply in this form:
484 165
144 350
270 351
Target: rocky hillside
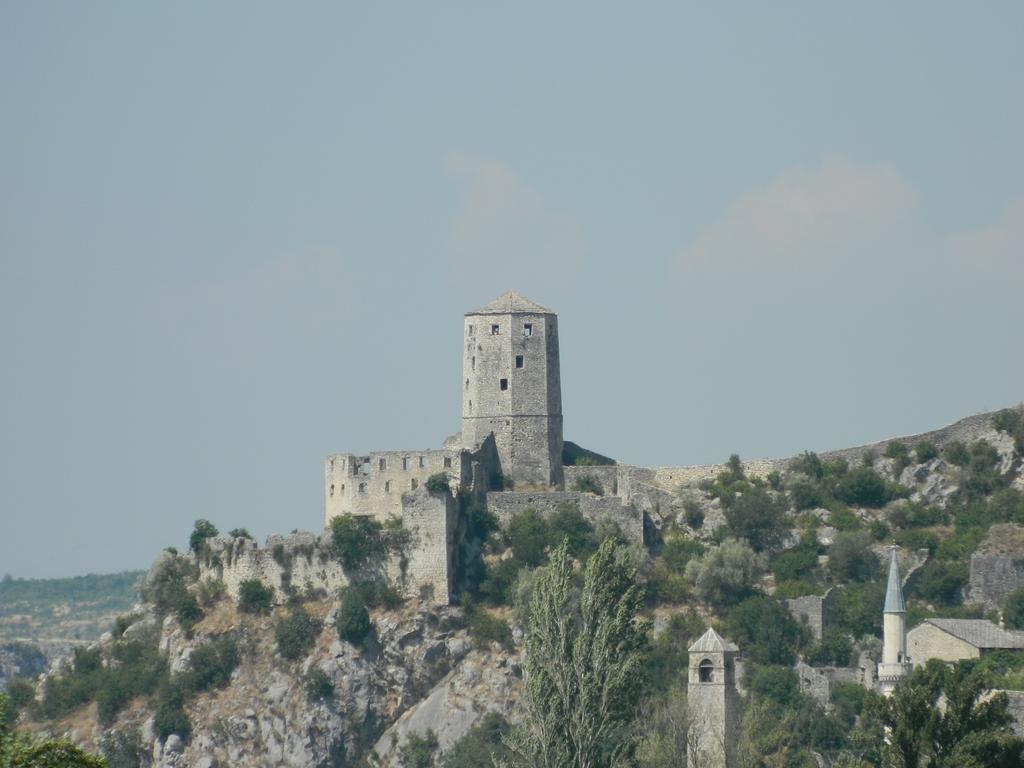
308 679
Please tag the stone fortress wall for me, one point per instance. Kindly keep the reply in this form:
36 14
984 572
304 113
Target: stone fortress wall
303 560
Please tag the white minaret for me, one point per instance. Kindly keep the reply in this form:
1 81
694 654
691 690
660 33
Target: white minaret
895 666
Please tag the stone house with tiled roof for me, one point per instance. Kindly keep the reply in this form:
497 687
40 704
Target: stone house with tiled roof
955 639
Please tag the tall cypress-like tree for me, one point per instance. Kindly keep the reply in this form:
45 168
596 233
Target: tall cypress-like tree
584 664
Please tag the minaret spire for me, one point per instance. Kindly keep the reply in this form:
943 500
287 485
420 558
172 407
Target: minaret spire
894 667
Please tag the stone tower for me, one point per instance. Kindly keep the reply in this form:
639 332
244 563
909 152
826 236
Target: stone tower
711 703
895 666
511 387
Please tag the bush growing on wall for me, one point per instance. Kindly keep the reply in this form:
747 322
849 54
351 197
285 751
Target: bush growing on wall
437 483
254 596
528 535
357 540
203 530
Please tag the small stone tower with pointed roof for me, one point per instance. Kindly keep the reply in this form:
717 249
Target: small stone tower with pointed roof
512 387
895 666
711 703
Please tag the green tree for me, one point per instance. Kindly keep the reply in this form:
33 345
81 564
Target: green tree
357 540
967 733
850 557
353 620
758 517
529 535
726 573
254 596
203 530
296 634
765 630
864 487
19 750
584 664
1013 609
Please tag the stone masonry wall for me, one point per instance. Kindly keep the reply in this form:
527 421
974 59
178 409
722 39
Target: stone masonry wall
303 559
926 641
506 504
993 577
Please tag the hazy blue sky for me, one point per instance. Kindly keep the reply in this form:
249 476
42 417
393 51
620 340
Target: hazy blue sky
236 237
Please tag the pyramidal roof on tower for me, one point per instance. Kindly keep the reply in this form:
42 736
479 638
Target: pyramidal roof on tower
894 592
712 642
509 302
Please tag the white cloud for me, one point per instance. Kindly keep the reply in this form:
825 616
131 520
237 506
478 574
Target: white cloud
803 219
996 247
503 232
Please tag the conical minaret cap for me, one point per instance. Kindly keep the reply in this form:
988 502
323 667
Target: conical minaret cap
894 592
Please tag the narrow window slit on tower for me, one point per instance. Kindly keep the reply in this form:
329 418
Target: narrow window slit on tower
527 329
495 330
447 462
387 486
413 484
382 464
332 489
519 361
503 383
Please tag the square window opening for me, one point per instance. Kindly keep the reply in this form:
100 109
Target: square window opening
495 330
503 383
527 329
447 462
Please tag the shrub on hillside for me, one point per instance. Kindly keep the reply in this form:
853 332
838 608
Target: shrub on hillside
850 557
726 573
765 630
693 513
166 581
834 649
483 745
170 716
797 562
939 582
758 517
568 524
914 514
956 453
804 493
418 751
864 487
254 596
857 610
210 665
528 535
1011 421
925 451
809 464
486 628
778 684
296 634
353 620
318 685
